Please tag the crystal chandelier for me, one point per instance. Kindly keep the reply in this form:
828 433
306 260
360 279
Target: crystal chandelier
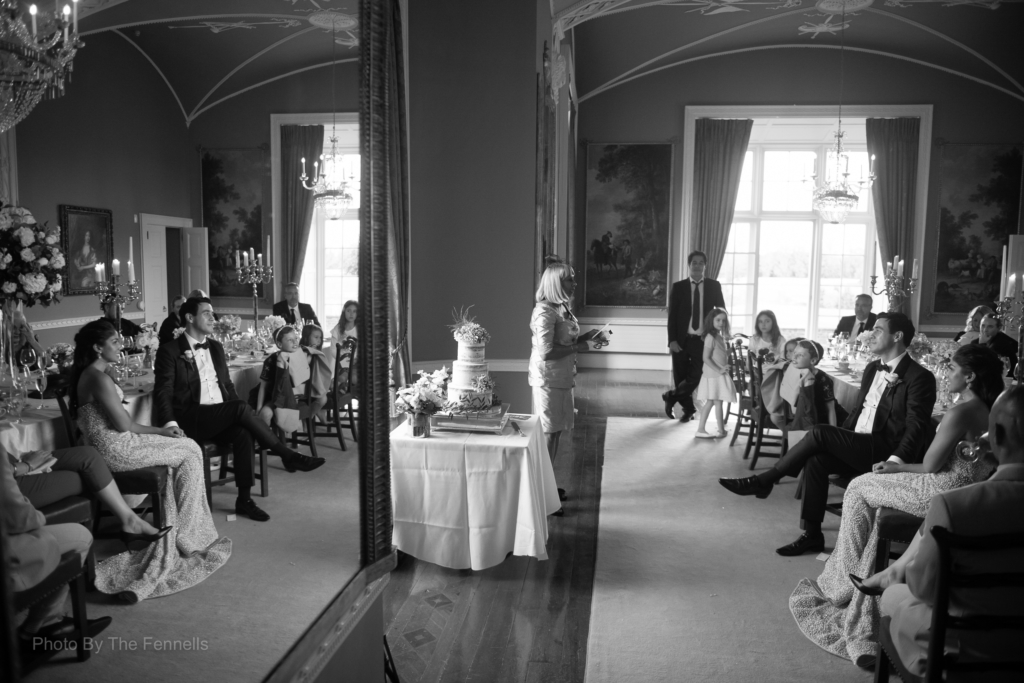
34 62
329 185
836 198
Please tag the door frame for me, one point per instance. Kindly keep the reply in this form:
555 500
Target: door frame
166 222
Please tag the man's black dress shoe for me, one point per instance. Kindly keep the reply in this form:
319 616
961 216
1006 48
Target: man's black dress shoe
56 636
687 415
807 543
858 583
670 403
251 510
301 463
747 486
562 495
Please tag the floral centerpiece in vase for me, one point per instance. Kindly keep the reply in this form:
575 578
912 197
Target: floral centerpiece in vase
226 327
31 266
62 355
920 347
423 398
149 342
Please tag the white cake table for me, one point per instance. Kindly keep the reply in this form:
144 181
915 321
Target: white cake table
465 500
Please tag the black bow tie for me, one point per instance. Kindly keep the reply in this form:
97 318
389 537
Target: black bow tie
204 345
883 367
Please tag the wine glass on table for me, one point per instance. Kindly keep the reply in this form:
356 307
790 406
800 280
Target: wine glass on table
16 399
134 362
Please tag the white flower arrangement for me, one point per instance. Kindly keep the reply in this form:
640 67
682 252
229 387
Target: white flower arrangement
147 340
483 383
864 338
31 266
273 322
920 347
466 330
178 331
427 395
228 324
61 349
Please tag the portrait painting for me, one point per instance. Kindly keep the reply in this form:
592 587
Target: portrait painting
87 236
979 208
628 202
232 182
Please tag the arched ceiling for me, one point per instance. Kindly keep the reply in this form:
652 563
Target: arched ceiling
208 51
620 40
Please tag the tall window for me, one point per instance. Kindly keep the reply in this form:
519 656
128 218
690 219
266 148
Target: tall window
782 256
330 271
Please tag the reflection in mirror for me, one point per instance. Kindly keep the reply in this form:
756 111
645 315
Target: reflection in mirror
214 442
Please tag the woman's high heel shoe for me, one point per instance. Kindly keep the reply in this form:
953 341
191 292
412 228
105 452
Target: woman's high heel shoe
127 537
858 583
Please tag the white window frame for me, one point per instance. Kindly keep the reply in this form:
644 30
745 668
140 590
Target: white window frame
692 113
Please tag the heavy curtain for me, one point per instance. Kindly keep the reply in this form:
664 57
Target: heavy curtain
894 142
719 147
297 143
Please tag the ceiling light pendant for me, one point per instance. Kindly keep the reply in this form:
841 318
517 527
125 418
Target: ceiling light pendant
835 198
330 187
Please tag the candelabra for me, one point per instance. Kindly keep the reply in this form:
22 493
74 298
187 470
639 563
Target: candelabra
898 288
255 274
1010 310
109 291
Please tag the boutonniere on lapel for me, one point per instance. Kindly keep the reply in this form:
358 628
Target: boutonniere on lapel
892 380
190 358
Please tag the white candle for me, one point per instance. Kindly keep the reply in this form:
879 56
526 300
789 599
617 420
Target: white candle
99 273
131 271
32 10
1011 285
268 251
67 11
245 258
914 274
115 267
252 256
899 269
259 260
74 9
131 257
874 267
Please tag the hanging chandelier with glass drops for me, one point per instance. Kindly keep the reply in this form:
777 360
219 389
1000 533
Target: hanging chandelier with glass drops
835 198
330 187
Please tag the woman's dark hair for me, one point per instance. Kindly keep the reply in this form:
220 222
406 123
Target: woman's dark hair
308 331
709 323
350 302
775 334
92 334
987 368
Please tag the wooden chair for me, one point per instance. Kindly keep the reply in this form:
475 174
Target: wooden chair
226 470
745 421
69 571
342 396
766 443
894 526
146 481
953 575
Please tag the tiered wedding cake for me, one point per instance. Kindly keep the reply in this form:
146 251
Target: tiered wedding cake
471 389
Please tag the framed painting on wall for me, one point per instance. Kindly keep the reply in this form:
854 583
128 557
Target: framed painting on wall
232 182
978 210
87 238
628 202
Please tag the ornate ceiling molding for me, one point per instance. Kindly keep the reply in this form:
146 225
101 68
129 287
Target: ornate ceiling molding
153 64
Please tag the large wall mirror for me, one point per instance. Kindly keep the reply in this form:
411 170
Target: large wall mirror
296 585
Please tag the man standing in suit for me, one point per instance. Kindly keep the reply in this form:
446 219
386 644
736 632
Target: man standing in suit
291 310
892 420
989 507
691 299
194 391
862 320
992 336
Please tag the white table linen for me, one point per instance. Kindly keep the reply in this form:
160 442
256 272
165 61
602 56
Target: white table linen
464 500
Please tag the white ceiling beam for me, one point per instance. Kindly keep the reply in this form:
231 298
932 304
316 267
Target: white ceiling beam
148 59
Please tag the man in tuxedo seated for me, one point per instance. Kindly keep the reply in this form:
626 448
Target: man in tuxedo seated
291 310
862 320
690 300
892 420
982 509
194 391
992 336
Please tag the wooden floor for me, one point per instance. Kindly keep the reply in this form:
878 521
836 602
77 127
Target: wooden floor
523 620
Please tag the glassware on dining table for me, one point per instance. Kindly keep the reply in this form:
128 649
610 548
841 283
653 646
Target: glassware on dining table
971 451
134 366
39 382
15 403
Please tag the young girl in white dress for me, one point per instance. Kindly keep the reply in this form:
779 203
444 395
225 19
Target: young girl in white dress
715 384
767 335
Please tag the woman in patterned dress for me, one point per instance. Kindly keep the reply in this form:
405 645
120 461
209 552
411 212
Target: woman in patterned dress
191 551
830 611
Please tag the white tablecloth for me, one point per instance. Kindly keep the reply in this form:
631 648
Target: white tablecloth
44 429
465 500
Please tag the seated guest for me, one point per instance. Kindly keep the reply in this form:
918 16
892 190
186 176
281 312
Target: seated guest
970 332
194 391
291 310
892 420
994 338
35 549
790 348
829 611
128 328
281 396
767 335
171 322
862 320
988 507
797 395
345 329
196 294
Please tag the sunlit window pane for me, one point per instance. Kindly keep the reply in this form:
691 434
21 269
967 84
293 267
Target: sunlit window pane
842 274
784 271
785 176
745 198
